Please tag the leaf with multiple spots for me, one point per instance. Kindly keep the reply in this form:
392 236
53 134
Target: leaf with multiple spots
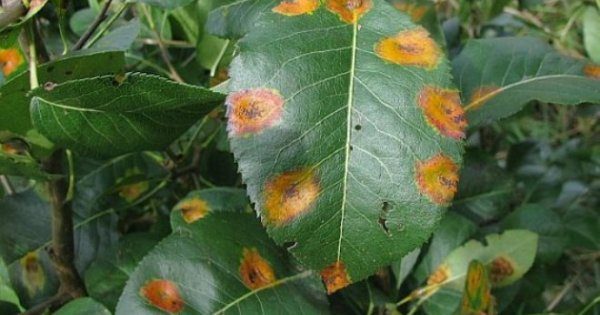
112 115
225 262
499 76
14 101
477 298
347 131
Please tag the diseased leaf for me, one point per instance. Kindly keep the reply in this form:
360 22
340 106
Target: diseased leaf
498 76
82 306
477 298
422 12
225 264
112 115
358 132
33 278
14 101
7 294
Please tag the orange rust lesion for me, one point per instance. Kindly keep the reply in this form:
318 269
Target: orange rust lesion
193 209
32 273
592 71
10 60
481 95
335 277
252 111
500 269
412 47
164 295
289 195
439 276
443 111
437 178
349 11
256 272
296 7
131 192
415 11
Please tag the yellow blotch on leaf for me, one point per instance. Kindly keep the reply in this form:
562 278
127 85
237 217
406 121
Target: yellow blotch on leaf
443 111
290 194
500 269
437 178
335 277
481 95
416 12
349 10
439 276
410 48
592 71
296 7
32 273
251 111
10 60
193 209
133 191
256 272
163 294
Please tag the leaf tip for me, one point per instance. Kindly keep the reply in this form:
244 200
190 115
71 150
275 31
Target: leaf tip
335 277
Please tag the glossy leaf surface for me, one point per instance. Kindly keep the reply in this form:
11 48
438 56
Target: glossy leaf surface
346 130
113 115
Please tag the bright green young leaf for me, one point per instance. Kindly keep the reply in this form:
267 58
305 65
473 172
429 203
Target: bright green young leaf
225 264
80 306
347 137
498 76
7 294
14 101
112 115
591 35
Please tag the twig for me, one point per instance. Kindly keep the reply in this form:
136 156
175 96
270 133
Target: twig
110 22
12 10
90 31
560 295
8 189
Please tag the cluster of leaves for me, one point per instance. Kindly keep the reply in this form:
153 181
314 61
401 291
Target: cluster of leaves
343 117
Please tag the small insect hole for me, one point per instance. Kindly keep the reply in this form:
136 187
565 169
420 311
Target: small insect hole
385 208
351 148
68 72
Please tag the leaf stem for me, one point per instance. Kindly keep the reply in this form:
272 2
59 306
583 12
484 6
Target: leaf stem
92 28
108 24
33 78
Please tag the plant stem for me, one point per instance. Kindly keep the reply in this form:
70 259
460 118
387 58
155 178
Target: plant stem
33 79
8 189
90 31
109 23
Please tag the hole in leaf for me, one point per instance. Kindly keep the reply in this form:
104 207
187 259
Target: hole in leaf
358 127
290 245
385 208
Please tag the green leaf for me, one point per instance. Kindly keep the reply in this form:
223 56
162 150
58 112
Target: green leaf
21 165
235 18
7 294
120 38
212 260
591 36
112 115
343 136
546 223
499 76
165 4
14 101
477 298
403 267
83 306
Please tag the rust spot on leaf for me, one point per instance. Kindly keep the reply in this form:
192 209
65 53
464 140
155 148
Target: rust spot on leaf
440 275
481 95
443 111
335 277
10 60
163 294
256 272
349 11
415 11
410 48
132 192
193 209
296 7
251 111
437 178
289 195
500 269
32 273
592 71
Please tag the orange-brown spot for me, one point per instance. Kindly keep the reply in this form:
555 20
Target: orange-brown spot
32 273
296 7
443 111
251 111
481 95
349 10
10 60
437 178
500 269
221 76
133 191
193 209
592 71
9 148
335 277
256 272
289 195
410 48
163 294
416 12
440 275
